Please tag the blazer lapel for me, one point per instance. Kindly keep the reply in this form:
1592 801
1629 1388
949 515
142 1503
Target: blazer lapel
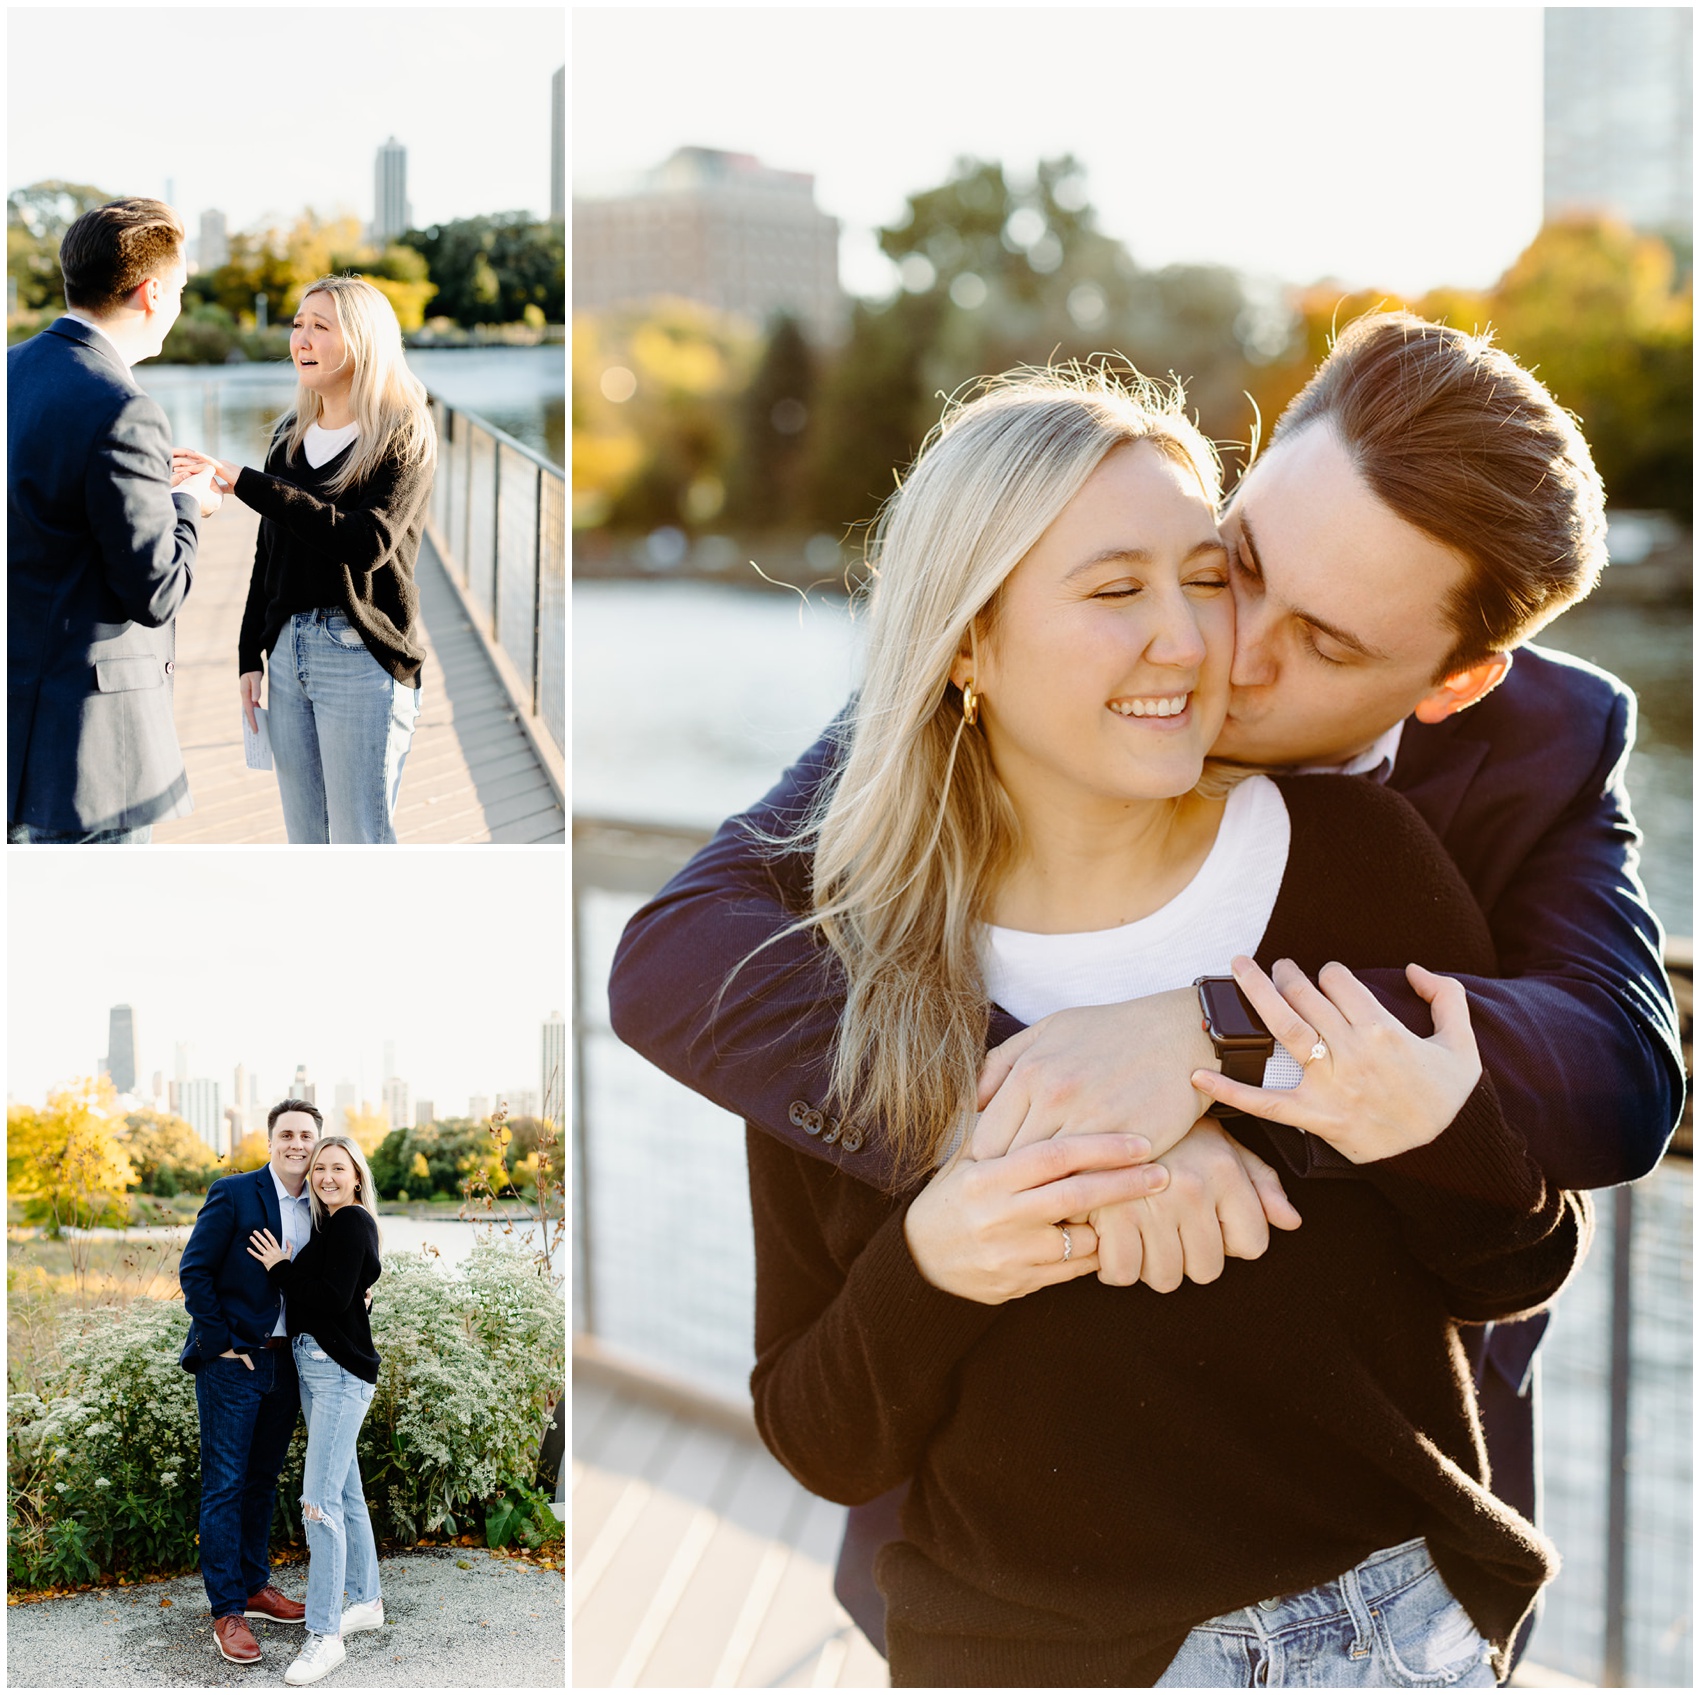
268 1199
1434 770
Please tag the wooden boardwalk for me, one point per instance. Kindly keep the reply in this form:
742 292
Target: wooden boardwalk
698 1561
471 775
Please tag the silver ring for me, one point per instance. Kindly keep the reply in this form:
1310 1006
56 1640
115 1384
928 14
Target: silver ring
1320 1051
1068 1243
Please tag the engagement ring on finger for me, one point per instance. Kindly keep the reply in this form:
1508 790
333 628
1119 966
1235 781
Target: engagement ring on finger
1320 1051
1068 1243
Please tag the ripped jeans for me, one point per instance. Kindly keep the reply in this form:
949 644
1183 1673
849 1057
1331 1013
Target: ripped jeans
342 1554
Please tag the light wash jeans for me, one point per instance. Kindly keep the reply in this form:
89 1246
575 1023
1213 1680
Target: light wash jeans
1388 1623
341 726
342 1555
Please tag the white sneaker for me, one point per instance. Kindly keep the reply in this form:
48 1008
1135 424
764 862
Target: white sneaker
363 1615
319 1656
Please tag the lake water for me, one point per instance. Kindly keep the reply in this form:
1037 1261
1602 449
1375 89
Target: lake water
228 410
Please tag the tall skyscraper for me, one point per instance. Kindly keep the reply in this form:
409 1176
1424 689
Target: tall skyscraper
558 144
424 1111
234 1130
239 1103
301 1090
522 1103
398 1103
346 1103
213 248
391 214
717 227
478 1107
202 1107
180 1065
121 1049
552 1080
1619 110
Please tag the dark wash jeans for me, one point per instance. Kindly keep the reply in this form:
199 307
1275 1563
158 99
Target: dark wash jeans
247 1418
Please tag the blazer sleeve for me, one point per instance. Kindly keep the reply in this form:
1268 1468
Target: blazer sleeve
197 1272
1579 1032
146 535
361 531
711 984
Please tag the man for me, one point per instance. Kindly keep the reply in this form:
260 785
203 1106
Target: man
245 1386
1423 508
99 547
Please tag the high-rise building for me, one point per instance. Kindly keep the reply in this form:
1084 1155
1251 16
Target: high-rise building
180 1067
202 1107
213 248
398 1103
558 144
301 1090
717 227
478 1107
552 1081
1619 114
239 1103
121 1049
522 1103
158 1085
424 1111
391 214
346 1102
234 1130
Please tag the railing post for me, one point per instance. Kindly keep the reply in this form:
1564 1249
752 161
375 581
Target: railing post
466 539
495 540
1617 1460
537 596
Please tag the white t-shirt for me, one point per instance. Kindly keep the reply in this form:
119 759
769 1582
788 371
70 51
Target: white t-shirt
322 445
1223 911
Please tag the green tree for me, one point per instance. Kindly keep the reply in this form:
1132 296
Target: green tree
153 1141
36 217
766 485
489 270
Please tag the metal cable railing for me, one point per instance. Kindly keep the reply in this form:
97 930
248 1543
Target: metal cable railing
498 519
1616 1367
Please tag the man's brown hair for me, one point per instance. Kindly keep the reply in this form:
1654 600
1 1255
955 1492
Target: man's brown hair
293 1105
1463 443
109 252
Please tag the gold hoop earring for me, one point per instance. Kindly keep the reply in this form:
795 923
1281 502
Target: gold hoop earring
970 704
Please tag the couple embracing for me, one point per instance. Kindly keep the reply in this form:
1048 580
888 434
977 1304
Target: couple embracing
1185 808
103 531
276 1276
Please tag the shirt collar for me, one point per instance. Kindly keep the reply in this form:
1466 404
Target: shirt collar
283 1193
89 323
1375 762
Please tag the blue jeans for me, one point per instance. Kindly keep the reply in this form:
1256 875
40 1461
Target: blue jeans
341 726
247 1419
342 1554
17 834
1388 1623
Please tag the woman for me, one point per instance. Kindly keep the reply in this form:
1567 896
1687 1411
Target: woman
332 601
1276 1478
324 1303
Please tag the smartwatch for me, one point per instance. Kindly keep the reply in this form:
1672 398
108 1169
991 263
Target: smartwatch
1238 1034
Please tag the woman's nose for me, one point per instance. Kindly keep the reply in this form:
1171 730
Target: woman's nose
1178 640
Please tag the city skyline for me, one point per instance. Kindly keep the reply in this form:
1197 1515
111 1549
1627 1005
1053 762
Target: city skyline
1401 151
225 144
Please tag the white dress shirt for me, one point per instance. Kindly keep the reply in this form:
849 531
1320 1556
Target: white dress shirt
296 1211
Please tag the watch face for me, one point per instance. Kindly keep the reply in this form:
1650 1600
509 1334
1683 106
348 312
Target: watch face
1232 1015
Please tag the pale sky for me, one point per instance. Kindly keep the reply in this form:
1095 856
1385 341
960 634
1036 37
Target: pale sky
1387 147
259 111
270 957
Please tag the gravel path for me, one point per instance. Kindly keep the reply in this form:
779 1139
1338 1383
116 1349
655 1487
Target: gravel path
457 1619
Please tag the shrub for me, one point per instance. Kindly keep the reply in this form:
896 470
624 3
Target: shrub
104 1457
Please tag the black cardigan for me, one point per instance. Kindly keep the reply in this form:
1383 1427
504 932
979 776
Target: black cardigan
324 1289
355 551
1097 1470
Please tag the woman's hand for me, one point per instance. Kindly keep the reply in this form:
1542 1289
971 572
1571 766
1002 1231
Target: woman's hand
991 1230
249 685
1376 1089
266 1249
191 460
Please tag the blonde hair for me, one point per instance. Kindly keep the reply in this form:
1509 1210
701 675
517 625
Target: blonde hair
366 1196
911 839
390 404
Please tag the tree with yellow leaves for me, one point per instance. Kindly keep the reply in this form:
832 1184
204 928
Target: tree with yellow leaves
65 1161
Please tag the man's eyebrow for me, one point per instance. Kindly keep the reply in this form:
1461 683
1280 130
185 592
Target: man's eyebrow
1344 637
1136 556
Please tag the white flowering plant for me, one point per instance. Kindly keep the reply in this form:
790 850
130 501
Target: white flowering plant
103 1455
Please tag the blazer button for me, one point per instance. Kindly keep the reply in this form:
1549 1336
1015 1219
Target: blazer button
833 1130
798 1111
812 1121
852 1140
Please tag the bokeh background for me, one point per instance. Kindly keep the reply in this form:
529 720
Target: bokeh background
794 233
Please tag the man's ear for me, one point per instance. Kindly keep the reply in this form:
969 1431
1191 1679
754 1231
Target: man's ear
1463 688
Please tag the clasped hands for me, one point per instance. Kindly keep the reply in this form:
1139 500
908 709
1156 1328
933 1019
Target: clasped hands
208 479
1177 1199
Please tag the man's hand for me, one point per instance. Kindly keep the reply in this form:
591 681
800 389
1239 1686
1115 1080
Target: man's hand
991 1230
1219 1204
1089 1069
249 685
198 482
1378 1089
194 461
231 1354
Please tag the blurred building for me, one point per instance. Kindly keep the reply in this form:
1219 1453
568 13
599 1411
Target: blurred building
202 1107
234 1131
391 214
553 1077
398 1103
301 1090
522 1103
121 1049
478 1107
239 1103
213 248
717 227
424 1112
346 1102
1619 114
558 144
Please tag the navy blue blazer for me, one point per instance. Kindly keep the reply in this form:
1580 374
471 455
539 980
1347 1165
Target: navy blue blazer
232 1302
99 556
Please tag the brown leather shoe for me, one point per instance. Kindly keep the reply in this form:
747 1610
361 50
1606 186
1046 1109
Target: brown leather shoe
270 1604
235 1640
